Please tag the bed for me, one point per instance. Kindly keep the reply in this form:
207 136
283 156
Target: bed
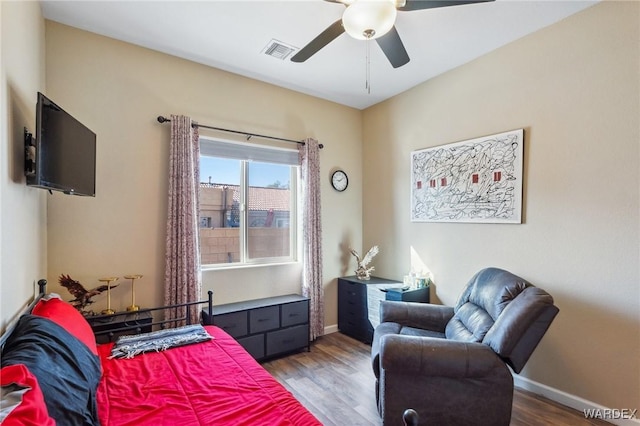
53 372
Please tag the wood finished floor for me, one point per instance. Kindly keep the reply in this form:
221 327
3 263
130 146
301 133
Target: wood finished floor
335 382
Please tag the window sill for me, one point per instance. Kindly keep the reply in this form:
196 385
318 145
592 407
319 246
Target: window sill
228 266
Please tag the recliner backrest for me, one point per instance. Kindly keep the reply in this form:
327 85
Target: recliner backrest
503 311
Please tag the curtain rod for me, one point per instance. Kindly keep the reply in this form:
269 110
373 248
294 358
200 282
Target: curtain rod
162 119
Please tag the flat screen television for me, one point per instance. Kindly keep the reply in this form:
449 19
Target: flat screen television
65 152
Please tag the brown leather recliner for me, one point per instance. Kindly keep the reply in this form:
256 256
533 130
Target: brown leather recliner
450 363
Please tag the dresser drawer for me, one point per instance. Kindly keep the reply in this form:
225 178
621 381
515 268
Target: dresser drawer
352 319
287 340
351 324
295 313
263 319
356 293
254 345
234 323
352 307
351 328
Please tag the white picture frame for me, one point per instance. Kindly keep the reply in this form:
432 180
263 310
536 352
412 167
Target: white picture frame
473 181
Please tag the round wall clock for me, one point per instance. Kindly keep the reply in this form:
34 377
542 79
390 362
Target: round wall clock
339 180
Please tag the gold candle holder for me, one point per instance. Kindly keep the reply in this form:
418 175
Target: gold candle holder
108 280
133 279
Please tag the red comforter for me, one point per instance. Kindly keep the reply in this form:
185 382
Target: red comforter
211 383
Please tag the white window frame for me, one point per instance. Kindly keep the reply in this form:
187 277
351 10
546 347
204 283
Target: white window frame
294 231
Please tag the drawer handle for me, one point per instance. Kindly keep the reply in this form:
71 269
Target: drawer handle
350 303
353 293
288 340
263 319
293 315
227 327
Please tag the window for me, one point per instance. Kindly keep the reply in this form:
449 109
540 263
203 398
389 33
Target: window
248 211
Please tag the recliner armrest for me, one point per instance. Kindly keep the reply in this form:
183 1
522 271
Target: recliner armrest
418 315
426 356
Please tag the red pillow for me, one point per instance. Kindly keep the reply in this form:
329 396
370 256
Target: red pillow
67 317
32 410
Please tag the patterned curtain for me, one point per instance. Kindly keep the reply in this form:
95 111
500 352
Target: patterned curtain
312 286
182 277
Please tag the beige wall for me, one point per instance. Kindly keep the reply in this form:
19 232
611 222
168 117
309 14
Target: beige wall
23 254
574 88
117 90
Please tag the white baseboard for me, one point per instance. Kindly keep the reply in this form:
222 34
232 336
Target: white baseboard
331 329
575 402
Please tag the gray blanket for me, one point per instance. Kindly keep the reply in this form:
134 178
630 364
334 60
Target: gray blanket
156 341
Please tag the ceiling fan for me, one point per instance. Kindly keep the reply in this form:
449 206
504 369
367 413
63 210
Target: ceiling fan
374 19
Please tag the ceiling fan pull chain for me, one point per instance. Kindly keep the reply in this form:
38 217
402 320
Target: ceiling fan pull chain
367 84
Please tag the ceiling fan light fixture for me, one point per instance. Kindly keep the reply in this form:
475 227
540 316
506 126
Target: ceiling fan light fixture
369 19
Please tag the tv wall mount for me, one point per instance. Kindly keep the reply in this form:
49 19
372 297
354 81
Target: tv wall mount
29 154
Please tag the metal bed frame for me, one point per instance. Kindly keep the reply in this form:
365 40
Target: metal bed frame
134 327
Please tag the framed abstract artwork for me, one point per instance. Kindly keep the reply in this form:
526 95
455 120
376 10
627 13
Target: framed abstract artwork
477 180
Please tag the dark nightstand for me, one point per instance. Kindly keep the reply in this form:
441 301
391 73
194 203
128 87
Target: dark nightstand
359 303
107 328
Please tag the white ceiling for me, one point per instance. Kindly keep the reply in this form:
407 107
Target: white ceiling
231 35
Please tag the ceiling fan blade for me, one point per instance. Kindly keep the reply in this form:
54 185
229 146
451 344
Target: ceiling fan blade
324 38
392 46
431 4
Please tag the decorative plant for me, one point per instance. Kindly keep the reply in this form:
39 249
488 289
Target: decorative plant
82 296
363 272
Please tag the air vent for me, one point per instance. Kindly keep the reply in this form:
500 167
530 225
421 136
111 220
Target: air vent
278 49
